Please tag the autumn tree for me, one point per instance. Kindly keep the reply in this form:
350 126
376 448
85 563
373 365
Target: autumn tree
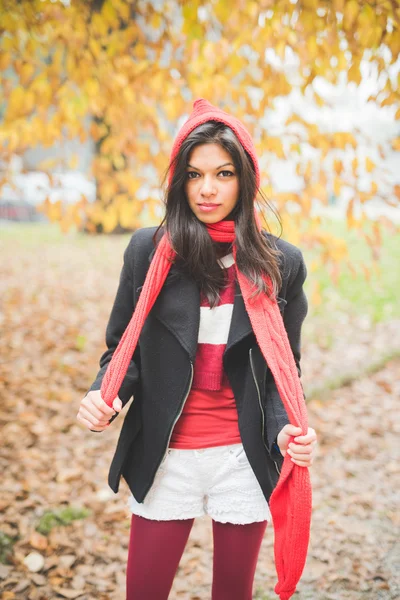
123 73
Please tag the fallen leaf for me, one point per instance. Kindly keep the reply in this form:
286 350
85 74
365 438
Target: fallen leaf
68 593
38 541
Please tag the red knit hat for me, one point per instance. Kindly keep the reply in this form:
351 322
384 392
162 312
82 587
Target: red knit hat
291 499
204 111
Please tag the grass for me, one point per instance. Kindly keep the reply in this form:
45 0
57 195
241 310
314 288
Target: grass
375 297
6 545
61 517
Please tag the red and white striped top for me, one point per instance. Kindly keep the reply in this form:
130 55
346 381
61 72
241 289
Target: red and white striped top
213 333
209 417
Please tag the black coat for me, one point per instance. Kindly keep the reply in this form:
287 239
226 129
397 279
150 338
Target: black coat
161 370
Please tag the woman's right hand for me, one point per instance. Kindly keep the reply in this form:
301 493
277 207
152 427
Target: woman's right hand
94 413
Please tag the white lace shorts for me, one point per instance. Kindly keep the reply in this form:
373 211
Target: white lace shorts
215 481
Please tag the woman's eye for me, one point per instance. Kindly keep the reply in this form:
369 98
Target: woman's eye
190 173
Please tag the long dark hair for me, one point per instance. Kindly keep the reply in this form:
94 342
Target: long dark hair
196 252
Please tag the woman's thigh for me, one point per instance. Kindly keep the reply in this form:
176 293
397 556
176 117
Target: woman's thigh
155 549
236 550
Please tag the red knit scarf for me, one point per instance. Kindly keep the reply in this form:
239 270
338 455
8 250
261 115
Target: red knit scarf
290 502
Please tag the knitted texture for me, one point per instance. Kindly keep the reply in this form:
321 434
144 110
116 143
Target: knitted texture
290 502
202 112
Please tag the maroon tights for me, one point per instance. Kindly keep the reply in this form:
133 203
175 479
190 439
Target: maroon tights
156 547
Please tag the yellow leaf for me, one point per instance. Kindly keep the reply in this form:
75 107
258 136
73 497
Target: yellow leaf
107 189
109 14
109 219
94 47
338 166
319 191
354 74
393 41
16 101
99 24
92 87
350 12
396 144
316 297
280 48
54 211
156 21
351 222
338 5
369 165
390 99
342 61
73 162
5 60
236 64
127 215
312 46
350 139
374 187
222 10
29 102
366 18
123 10
319 100
339 140
119 161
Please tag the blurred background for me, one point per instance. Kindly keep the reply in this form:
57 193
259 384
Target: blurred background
92 95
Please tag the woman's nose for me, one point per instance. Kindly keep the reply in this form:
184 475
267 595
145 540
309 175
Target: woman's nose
208 188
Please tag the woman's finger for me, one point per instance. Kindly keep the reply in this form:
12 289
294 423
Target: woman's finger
95 422
300 449
93 407
305 439
88 424
310 436
98 401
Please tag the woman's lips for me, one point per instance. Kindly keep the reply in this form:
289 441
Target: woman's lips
207 207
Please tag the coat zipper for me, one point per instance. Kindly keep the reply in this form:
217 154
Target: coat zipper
261 409
174 423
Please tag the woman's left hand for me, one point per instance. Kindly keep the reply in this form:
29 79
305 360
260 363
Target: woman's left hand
302 449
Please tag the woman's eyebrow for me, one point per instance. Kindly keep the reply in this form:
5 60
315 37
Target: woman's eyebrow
220 167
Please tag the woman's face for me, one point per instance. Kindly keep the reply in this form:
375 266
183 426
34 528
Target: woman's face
212 184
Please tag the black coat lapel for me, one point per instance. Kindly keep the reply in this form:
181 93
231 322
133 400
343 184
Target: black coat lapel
178 308
240 323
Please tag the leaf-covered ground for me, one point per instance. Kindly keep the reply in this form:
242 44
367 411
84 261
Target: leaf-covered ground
63 532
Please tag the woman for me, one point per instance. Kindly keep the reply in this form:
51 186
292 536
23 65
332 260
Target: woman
211 357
